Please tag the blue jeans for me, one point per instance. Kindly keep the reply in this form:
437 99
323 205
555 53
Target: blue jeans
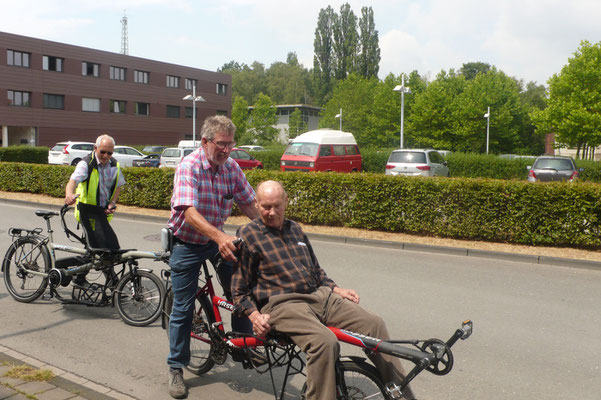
185 264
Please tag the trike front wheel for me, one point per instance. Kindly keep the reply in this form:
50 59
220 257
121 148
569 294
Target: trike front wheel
25 268
139 298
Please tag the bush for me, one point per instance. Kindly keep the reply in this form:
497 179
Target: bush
26 154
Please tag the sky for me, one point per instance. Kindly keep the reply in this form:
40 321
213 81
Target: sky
527 39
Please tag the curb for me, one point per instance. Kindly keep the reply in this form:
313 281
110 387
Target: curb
456 251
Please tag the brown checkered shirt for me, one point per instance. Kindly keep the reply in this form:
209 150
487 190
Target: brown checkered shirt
273 261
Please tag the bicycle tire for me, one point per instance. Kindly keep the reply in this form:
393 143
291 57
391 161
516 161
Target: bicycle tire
139 298
361 381
200 340
30 252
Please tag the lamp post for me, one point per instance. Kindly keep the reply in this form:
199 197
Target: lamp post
194 99
340 117
487 116
401 88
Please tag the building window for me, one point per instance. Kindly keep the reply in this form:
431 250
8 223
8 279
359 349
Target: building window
142 109
221 112
50 63
173 111
92 105
117 73
17 58
90 69
221 89
190 83
117 106
56 101
19 99
141 76
172 81
188 112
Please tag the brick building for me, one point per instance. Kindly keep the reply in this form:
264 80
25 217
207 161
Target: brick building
56 92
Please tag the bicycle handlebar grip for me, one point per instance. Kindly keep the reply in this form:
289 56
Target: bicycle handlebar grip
237 241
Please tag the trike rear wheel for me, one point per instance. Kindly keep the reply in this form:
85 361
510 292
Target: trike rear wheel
24 259
139 298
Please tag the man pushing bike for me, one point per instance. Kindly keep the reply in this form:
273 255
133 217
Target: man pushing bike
279 284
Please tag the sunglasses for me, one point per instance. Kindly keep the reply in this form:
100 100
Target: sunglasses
103 152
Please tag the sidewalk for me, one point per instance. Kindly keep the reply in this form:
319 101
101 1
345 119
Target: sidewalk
65 385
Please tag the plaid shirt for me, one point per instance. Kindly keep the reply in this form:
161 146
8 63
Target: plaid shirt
212 194
272 262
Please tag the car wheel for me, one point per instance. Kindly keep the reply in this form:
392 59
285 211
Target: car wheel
76 161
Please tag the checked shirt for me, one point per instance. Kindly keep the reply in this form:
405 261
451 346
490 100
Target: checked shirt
272 262
211 193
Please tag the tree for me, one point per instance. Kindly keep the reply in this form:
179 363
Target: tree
471 69
322 58
262 119
345 41
246 81
240 119
286 83
368 58
296 124
574 104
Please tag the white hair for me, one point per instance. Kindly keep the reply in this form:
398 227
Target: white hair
104 137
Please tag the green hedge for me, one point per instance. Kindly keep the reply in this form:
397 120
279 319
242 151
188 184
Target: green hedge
26 154
558 214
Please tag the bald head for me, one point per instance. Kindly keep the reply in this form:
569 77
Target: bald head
271 201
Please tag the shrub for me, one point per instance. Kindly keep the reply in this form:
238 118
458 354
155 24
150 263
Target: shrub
26 154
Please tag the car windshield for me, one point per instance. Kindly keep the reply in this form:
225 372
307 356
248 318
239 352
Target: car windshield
171 153
58 147
302 149
554 163
409 157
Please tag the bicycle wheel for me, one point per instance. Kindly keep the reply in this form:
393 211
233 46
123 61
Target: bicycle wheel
201 361
26 253
139 298
361 381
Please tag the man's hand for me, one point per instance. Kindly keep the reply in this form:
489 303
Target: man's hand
348 294
260 325
70 198
110 209
227 247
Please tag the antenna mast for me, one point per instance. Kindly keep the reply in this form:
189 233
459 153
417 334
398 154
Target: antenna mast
124 40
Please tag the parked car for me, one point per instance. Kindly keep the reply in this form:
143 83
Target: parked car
414 162
248 147
151 160
126 155
553 168
245 160
153 149
172 156
69 153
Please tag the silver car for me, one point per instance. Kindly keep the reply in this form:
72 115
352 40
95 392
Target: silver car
415 162
553 168
172 156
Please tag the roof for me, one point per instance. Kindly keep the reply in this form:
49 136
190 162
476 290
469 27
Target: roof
328 136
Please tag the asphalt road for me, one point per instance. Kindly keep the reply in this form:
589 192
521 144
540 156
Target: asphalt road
537 328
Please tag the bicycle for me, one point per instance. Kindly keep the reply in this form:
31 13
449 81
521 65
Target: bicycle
30 266
356 378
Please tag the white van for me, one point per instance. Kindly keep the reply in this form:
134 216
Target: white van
322 150
189 144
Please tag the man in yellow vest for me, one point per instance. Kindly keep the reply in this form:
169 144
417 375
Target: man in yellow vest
97 180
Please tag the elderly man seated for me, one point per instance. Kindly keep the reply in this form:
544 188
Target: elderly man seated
278 283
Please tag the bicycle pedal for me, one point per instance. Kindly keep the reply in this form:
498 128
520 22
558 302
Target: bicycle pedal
394 391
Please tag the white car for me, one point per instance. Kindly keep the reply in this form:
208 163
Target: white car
172 156
69 153
415 162
126 155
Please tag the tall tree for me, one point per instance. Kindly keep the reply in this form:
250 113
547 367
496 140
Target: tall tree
296 124
471 69
240 119
368 58
322 58
286 83
574 104
262 119
345 41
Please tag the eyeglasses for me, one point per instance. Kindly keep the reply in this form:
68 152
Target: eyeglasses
103 152
223 145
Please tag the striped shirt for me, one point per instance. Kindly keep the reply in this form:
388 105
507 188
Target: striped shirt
273 261
211 193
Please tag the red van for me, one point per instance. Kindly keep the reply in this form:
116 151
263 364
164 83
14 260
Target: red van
322 150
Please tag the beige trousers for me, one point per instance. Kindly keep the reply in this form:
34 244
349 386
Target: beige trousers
305 317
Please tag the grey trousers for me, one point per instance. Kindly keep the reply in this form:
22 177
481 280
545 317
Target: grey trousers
305 317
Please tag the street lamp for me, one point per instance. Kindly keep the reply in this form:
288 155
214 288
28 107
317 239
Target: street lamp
401 88
194 99
487 116
340 117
